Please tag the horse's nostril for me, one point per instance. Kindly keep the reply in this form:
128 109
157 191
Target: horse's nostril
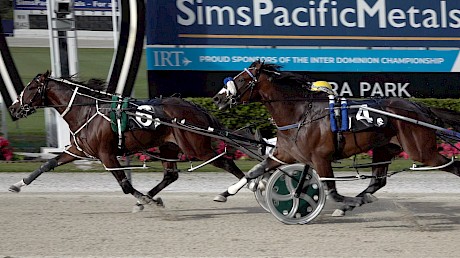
215 99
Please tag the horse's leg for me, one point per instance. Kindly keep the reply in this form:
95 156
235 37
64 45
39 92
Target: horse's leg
420 144
223 163
434 159
113 165
258 170
50 164
201 147
170 173
229 166
323 168
379 176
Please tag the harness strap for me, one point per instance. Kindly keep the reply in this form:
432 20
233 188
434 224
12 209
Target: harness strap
144 166
120 135
98 111
74 134
287 127
88 157
69 106
250 74
414 166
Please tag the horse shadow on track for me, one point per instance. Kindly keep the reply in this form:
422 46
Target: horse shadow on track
410 215
200 213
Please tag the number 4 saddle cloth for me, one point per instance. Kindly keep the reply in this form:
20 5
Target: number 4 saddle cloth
360 119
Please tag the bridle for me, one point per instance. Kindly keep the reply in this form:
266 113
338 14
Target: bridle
26 109
231 91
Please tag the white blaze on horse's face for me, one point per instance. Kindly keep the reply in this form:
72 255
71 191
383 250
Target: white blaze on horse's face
20 108
18 105
21 96
17 100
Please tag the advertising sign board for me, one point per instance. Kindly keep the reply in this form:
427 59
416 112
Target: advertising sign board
371 23
345 60
204 39
79 5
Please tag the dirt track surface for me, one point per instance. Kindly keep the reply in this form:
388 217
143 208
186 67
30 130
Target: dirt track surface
192 225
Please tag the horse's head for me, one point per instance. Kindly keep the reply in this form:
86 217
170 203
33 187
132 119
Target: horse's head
241 88
31 97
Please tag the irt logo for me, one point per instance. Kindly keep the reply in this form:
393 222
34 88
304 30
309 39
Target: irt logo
170 58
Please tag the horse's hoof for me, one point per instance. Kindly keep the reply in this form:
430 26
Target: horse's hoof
252 186
143 200
14 189
262 184
353 201
220 198
338 213
158 201
138 208
368 198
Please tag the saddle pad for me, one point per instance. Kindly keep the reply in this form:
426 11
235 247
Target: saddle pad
362 119
148 114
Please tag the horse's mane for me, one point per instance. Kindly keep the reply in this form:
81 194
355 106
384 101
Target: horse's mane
97 84
93 83
288 78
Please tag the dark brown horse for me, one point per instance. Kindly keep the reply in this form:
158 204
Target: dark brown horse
86 109
305 135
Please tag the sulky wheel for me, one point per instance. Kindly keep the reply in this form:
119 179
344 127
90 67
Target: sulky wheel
281 199
261 184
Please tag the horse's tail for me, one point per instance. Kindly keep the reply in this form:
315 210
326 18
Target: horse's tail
449 117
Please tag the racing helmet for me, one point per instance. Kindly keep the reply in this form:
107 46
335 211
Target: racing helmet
323 86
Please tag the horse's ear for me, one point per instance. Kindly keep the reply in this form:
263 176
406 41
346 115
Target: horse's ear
260 64
44 76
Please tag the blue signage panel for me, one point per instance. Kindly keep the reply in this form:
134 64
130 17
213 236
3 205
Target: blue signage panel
325 60
80 5
371 23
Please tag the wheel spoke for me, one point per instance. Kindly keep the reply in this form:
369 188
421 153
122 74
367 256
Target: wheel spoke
309 200
294 208
289 183
281 197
